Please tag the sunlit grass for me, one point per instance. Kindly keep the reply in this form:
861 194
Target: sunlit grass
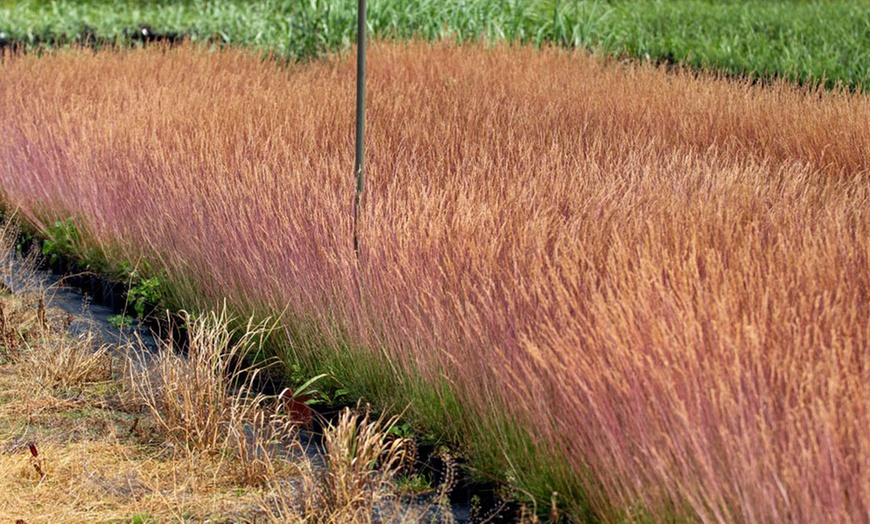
644 290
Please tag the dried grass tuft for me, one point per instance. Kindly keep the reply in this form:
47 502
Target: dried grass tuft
356 481
205 397
59 363
188 438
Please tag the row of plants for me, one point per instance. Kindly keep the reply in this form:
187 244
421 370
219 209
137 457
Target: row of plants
814 42
643 291
121 434
217 382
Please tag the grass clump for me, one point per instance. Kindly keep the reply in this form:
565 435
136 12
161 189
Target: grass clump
63 364
205 396
361 460
357 480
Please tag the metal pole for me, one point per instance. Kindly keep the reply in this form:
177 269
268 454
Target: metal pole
359 166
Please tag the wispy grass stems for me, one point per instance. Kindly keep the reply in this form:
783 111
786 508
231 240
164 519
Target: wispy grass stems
660 279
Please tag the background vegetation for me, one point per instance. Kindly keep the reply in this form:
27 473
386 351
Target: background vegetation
644 290
807 41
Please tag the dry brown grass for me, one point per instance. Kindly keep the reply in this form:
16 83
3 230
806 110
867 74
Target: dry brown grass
64 362
202 399
361 461
662 277
58 398
356 481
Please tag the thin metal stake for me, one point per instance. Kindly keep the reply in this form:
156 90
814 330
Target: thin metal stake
359 166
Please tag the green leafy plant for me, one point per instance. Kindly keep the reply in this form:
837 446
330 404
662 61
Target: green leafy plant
329 393
125 270
61 240
145 291
120 321
24 242
414 484
307 389
402 430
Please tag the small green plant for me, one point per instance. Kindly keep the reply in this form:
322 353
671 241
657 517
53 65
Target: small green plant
141 291
120 321
402 430
298 399
24 243
307 389
414 484
330 393
61 240
146 291
124 270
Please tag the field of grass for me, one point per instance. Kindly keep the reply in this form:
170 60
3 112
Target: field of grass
644 290
808 41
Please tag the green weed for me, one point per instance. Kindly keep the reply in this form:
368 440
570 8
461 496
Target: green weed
144 292
61 240
121 321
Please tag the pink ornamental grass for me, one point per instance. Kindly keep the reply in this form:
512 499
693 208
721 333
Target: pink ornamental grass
660 277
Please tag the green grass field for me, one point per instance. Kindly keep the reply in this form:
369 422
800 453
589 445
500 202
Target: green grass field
806 41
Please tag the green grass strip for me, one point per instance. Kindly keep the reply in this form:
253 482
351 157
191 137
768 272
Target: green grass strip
812 42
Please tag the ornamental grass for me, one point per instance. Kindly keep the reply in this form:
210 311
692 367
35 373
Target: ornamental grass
644 289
